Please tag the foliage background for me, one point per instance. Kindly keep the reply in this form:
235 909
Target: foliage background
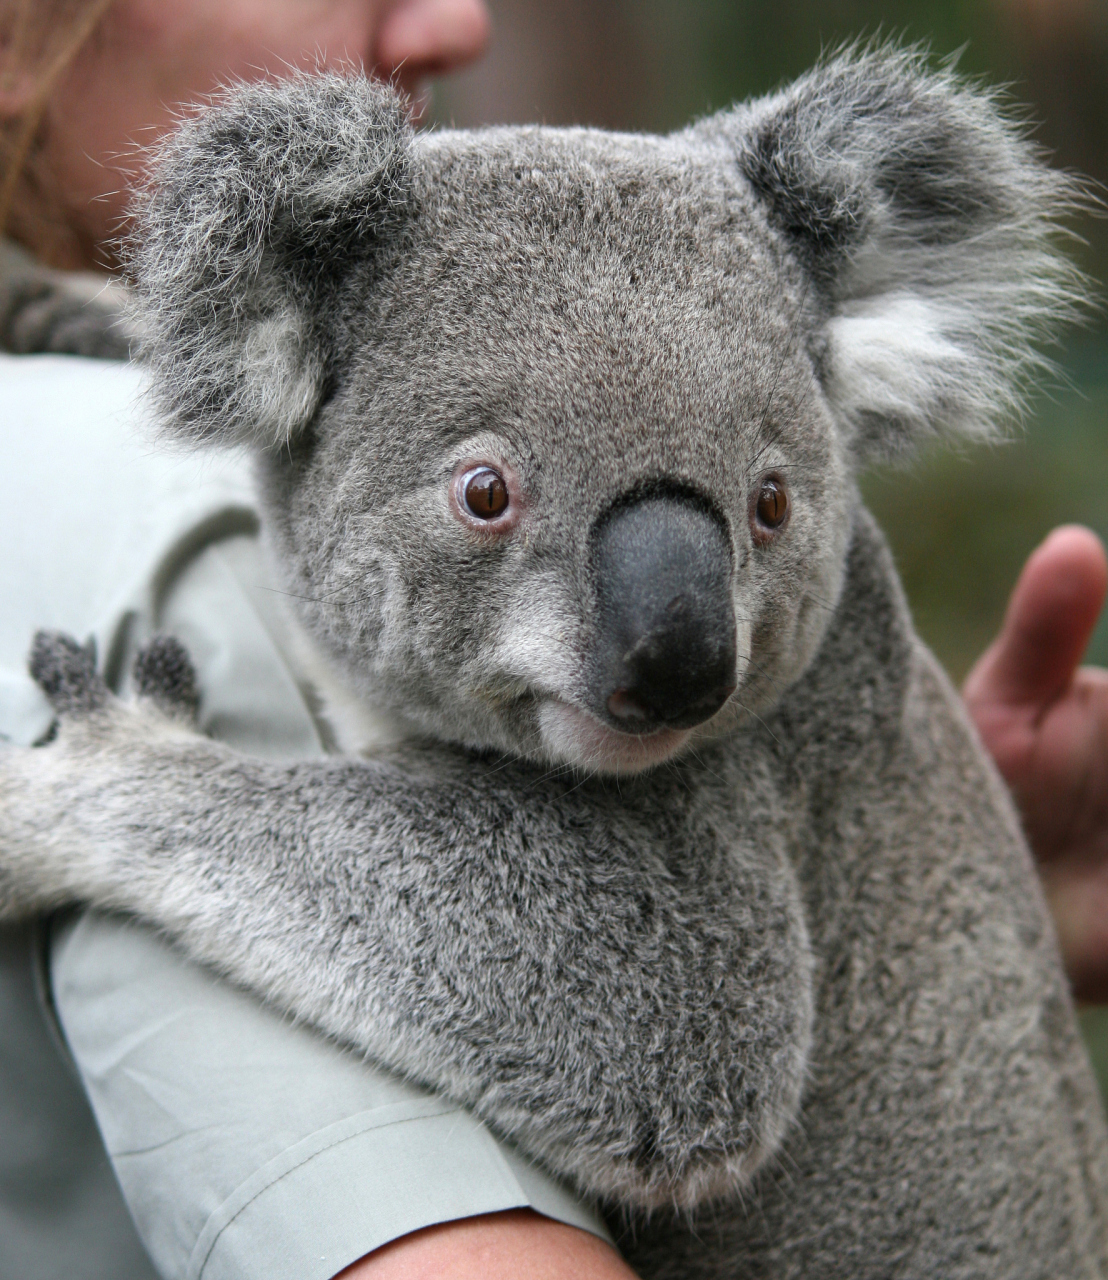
960 523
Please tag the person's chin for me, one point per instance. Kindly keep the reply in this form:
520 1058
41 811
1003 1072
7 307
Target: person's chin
574 737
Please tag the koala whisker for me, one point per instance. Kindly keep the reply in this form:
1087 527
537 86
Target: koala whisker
587 775
756 459
784 466
751 712
759 673
786 349
800 464
292 595
560 770
700 761
801 461
764 675
504 761
821 601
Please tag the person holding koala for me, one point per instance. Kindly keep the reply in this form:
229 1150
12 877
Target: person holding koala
81 83
204 581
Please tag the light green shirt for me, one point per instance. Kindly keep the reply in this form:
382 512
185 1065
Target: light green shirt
244 1146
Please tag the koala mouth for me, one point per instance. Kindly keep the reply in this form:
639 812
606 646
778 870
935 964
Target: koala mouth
573 736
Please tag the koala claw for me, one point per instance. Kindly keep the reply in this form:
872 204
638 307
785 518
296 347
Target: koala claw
54 826
164 673
66 673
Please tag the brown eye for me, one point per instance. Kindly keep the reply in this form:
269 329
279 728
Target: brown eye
772 506
486 494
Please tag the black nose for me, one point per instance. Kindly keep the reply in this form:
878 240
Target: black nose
666 642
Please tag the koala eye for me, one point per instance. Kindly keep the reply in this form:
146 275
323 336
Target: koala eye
485 493
770 508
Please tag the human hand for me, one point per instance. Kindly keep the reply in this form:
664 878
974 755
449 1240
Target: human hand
1044 719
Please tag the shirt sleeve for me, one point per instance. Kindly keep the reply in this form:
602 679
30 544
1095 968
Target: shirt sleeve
246 1145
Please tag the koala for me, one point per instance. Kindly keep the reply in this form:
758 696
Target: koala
678 861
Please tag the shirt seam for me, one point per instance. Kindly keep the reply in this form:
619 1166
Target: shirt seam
198 1272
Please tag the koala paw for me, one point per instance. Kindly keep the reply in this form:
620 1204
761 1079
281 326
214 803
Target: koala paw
62 838
66 672
164 674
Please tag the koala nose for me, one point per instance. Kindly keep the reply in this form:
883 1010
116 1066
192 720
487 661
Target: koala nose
666 649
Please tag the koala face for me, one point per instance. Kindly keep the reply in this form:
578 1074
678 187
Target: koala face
558 429
604 508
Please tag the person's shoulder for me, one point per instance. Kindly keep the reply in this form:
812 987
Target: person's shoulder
96 515
77 436
38 383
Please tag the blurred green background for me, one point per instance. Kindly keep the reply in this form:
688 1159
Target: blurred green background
960 523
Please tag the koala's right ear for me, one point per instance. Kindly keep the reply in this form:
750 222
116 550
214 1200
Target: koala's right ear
256 206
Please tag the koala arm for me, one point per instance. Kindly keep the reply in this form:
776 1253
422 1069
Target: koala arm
622 989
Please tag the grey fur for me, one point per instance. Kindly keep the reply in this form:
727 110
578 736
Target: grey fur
807 960
163 673
252 246
66 673
915 205
61 312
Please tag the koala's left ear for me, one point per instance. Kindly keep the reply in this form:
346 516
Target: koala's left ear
929 226
256 207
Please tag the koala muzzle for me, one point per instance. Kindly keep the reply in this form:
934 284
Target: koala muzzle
666 645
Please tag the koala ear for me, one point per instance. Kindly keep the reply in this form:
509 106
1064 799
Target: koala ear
929 226
256 208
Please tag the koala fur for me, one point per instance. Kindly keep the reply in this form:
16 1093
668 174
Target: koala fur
63 312
774 980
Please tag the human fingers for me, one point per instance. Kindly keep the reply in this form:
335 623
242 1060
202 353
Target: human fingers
1078 898
1050 617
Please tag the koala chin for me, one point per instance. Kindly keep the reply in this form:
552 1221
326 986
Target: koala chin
557 435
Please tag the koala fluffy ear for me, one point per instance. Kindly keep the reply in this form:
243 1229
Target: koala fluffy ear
930 228
256 207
